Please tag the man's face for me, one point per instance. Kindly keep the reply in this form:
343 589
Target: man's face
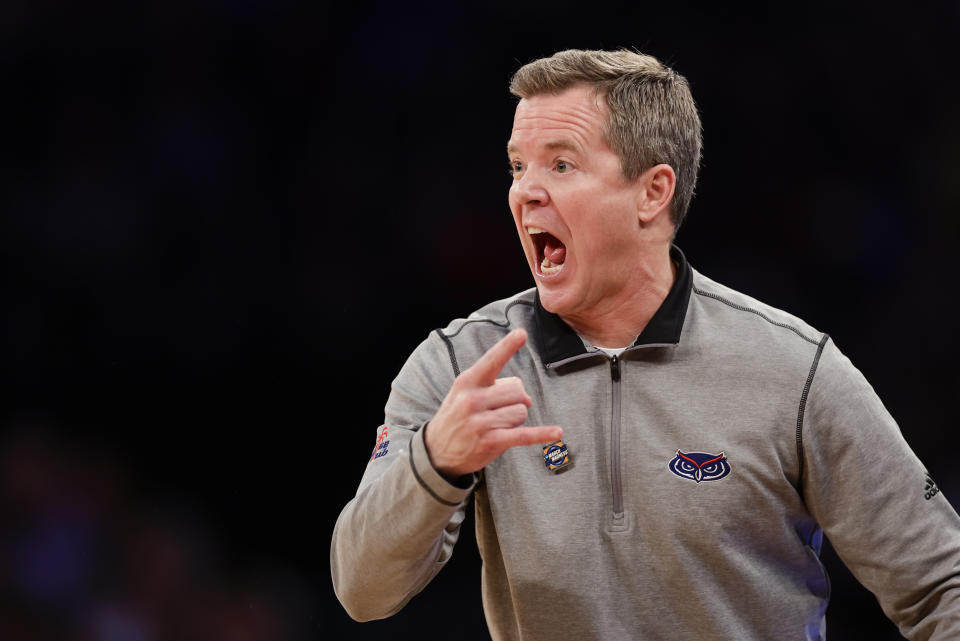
575 213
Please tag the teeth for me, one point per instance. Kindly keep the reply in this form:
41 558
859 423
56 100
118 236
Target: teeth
534 230
548 267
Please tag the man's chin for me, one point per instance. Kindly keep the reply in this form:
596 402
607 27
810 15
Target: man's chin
553 299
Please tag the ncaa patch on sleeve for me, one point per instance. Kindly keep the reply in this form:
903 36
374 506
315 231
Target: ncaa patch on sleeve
380 449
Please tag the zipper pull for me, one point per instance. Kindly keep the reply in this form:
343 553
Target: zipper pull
615 367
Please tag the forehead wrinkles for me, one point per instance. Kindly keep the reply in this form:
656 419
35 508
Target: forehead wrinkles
582 120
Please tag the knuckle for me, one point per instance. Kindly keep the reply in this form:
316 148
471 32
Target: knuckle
475 424
520 412
487 448
461 400
520 390
471 401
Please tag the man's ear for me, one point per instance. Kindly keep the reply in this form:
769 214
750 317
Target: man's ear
657 186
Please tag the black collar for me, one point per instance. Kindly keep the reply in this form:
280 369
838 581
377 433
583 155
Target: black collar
558 341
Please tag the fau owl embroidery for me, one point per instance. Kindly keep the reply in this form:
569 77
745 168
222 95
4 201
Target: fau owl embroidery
700 466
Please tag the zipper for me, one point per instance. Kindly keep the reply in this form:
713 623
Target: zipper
615 474
618 522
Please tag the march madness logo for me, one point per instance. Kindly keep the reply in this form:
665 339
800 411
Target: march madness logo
556 456
380 449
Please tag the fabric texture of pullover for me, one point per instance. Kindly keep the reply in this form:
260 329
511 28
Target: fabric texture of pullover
707 462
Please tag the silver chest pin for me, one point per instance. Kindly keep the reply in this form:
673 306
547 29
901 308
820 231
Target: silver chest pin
556 456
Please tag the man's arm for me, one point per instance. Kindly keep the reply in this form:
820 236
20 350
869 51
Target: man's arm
867 489
399 530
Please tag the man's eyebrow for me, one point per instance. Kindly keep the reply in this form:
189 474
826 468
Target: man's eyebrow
561 143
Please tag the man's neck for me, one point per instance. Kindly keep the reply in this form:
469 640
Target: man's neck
619 319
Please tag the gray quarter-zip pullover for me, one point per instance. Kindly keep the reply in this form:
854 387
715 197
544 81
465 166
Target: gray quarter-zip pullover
707 462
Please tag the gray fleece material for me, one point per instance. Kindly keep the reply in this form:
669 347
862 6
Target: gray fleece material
627 543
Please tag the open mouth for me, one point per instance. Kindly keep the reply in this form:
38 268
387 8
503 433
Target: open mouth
550 251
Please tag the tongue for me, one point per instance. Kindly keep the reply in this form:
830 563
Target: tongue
555 251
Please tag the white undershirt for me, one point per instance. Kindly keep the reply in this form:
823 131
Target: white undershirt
609 351
612 351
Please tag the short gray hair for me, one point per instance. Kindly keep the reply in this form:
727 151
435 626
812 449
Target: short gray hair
653 118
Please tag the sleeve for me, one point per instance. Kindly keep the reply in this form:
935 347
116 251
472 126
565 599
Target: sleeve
399 530
874 500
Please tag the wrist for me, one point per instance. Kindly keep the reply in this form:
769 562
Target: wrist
449 475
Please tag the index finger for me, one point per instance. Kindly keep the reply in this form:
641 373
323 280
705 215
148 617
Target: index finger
487 368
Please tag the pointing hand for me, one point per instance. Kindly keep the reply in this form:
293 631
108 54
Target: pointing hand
480 417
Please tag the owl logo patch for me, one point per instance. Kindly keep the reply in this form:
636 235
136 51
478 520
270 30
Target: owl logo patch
700 466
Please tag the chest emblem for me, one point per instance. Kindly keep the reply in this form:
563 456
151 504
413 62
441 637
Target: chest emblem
556 456
700 466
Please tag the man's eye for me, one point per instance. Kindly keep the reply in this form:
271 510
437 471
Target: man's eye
562 167
515 168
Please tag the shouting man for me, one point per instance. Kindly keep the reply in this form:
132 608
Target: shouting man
652 455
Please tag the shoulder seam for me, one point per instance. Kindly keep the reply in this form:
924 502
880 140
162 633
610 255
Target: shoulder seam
505 323
453 355
803 406
757 312
446 337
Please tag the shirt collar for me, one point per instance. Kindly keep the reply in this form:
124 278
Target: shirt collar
558 342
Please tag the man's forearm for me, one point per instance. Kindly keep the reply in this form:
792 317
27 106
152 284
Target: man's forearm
397 533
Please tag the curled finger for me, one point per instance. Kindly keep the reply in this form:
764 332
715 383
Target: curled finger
505 417
503 439
506 391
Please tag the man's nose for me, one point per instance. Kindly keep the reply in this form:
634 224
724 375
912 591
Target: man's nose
530 191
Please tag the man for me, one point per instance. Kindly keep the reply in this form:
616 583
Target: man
653 455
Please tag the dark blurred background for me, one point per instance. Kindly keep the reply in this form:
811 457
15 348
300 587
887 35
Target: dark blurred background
227 224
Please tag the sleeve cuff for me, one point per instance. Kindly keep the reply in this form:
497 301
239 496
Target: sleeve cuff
440 488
